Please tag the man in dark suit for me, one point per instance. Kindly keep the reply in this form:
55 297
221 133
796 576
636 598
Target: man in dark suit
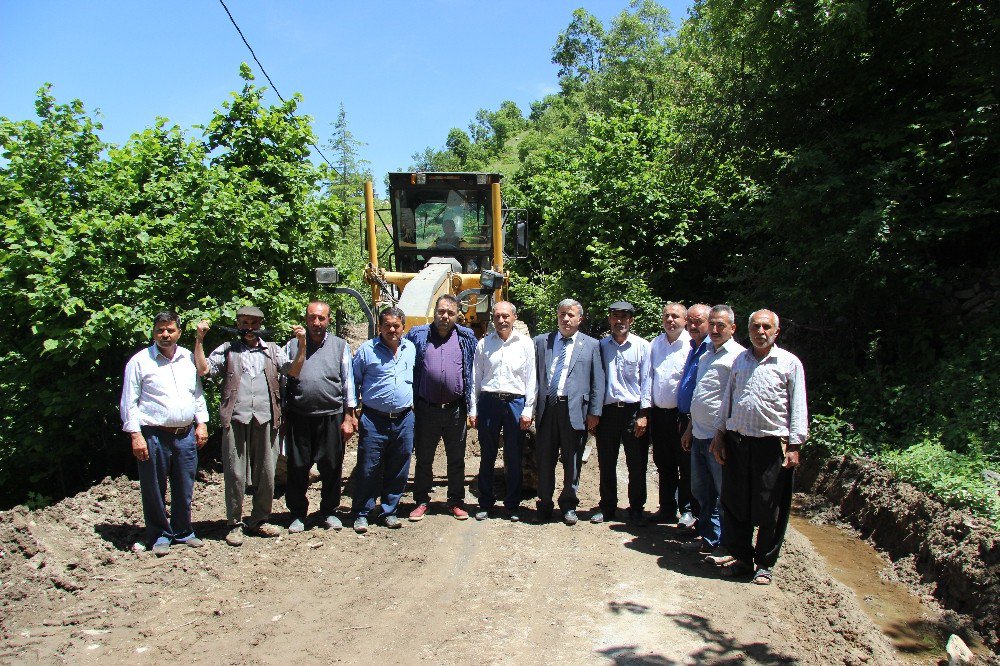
569 403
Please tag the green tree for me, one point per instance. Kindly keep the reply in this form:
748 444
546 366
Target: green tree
96 238
351 169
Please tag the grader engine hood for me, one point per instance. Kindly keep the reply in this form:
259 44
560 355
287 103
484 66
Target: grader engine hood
417 300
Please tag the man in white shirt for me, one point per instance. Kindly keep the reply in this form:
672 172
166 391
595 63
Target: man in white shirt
503 404
623 423
761 425
161 402
706 472
667 355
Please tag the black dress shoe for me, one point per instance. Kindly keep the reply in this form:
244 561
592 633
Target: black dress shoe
570 517
637 518
541 517
662 518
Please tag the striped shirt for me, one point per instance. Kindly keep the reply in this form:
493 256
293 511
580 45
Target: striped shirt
766 398
714 367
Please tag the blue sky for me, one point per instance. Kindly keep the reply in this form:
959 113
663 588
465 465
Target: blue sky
406 72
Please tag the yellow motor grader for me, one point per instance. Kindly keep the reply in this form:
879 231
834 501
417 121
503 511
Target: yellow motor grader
448 233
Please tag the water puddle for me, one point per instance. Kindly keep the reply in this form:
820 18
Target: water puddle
901 615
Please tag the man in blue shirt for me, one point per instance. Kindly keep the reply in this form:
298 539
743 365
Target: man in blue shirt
383 377
697 327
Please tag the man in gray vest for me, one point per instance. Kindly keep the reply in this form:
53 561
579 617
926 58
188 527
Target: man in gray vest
250 415
320 402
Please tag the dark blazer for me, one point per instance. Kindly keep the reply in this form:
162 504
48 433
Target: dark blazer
584 383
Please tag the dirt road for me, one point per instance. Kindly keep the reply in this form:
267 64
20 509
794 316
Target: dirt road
438 591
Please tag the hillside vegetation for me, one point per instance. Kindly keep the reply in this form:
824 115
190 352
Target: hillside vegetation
835 161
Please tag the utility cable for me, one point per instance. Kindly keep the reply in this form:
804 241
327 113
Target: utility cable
266 75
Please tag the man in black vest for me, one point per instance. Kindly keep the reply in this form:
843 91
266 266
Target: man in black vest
320 402
250 415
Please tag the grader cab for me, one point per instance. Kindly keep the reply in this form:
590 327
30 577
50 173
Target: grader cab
448 234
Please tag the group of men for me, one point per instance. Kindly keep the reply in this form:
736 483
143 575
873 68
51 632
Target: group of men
724 423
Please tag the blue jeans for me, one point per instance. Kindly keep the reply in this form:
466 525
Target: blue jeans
496 415
174 458
384 449
706 486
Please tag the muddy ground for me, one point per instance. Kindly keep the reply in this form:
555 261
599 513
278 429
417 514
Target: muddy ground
438 591
943 554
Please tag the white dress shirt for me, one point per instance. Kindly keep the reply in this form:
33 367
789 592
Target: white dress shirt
766 398
666 367
556 350
714 368
505 366
161 392
626 367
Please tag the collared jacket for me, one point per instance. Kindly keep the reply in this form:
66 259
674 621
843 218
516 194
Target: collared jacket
418 335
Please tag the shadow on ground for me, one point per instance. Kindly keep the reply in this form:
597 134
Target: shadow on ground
666 545
717 646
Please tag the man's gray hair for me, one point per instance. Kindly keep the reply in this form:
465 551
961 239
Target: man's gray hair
513 308
774 316
723 309
671 304
568 303
700 306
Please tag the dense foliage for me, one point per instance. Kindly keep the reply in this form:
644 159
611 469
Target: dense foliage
836 161
97 237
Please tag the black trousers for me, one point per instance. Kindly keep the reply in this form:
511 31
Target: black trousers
433 423
314 439
673 464
756 491
557 438
616 430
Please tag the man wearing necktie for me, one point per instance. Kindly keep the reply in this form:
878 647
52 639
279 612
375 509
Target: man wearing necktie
570 398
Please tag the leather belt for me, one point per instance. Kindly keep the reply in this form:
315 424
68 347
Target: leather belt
506 397
441 405
387 415
621 404
183 430
558 398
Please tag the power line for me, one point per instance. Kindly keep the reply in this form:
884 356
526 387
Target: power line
266 75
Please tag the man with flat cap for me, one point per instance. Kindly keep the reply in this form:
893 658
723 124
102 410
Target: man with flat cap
625 358
250 415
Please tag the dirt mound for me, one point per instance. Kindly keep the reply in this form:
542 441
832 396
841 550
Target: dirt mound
63 548
953 554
